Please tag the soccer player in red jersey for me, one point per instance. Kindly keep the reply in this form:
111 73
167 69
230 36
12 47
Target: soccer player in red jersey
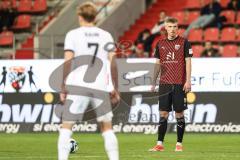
174 66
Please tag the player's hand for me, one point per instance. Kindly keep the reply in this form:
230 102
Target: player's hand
63 96
187 87
153 88
115 97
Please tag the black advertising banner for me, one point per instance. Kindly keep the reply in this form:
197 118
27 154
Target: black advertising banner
207 112
215 112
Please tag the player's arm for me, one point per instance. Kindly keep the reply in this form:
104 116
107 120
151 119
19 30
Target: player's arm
188 54
188 69
156 72
68 56
156 67
115 97
114 70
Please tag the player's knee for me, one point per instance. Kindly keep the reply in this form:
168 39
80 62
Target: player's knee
181 120
163 120
105 126
164 114
179 114
67 125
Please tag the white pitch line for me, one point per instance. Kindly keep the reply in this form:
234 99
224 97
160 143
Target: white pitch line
37 157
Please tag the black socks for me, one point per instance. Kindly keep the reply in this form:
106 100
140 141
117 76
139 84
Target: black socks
180 129
162 128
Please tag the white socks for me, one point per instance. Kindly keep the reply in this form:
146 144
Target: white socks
64 144
111 144
159 143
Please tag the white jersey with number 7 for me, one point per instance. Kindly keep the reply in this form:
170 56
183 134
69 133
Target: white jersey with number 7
91 41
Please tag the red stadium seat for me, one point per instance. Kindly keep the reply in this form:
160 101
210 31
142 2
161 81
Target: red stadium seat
224 3
230 50
207 1
5 4
25 6
238 35
181 31
230 15
6 38
196 4
40 6
211 34
180 16
22 22
238 18
195 35
228 34
193 4
14 4
197 50
192 16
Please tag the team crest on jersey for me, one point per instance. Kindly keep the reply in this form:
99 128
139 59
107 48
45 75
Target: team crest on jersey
177 46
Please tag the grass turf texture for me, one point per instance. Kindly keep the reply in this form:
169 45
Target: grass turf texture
132 147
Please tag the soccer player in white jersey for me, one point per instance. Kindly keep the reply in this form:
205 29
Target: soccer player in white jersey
88 40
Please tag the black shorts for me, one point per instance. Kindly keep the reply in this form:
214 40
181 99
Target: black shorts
172 95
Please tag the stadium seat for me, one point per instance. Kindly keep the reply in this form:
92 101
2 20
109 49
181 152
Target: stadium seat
230 15
5 4
6 38
181 31
14 4
195 35
238 35
224 3
197 50
211 34
207 1
193 4
25 6
228 34
180 16
39 6
238 18
192 16
22 22
230 50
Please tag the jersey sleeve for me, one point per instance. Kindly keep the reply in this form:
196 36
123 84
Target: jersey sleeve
188 52
68 44
156 51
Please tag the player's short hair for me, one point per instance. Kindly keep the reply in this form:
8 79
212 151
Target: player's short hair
88 11
171 20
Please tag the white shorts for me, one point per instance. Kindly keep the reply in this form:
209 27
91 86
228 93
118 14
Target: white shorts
79 104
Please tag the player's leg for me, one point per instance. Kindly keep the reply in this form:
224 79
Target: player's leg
65 134
179 105
104 117
110 140
77 107
162 127
180 130
165 102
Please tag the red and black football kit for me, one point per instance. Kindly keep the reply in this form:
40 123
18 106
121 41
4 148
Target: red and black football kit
172 54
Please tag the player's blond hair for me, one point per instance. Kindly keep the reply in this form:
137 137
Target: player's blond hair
88 11
171 20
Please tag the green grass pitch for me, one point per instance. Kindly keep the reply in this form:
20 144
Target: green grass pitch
132 147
